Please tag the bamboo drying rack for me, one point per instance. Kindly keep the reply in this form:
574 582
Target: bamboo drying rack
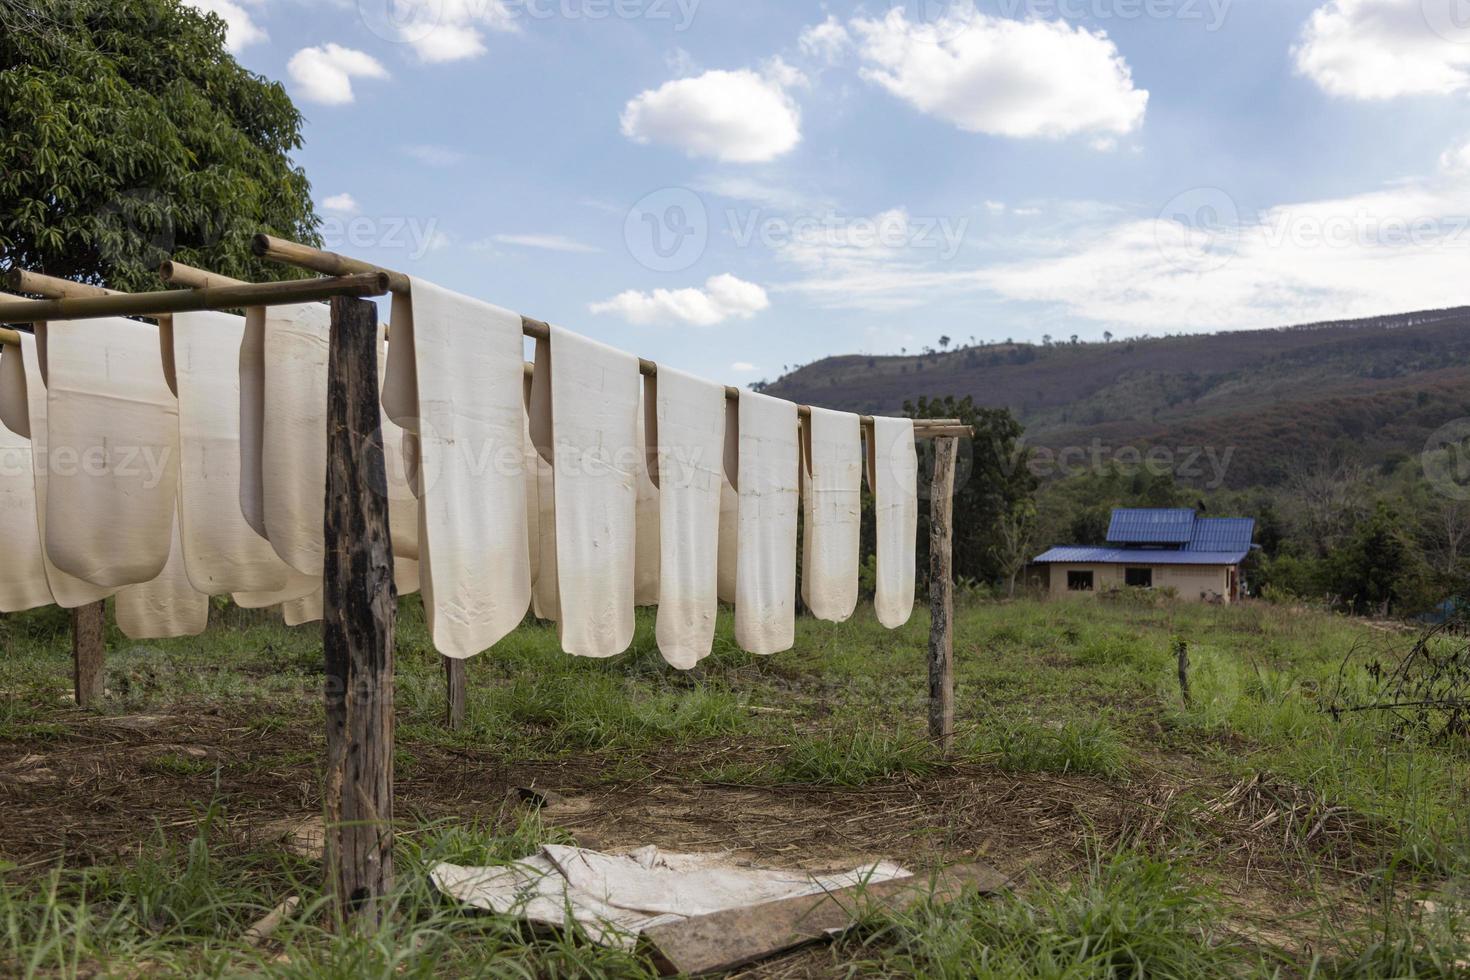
359 606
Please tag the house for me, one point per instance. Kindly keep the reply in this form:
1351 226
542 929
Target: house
1199 557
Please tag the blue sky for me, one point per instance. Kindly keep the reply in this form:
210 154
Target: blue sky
733 186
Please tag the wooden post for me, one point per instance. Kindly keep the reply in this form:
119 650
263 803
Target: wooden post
941 594
359 609
88 624
454 693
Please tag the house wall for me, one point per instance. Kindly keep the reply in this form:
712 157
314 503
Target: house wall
1193 582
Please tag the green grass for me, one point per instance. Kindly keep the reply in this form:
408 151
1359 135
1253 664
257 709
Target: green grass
1072 691
1131 916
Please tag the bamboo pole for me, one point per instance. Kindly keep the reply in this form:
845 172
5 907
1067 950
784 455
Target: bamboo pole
359 612
52 287
330 263
941 595
179 274
10 337
182 300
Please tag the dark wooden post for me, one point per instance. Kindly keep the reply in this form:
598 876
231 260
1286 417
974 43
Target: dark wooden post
941 595
359 610
454 693
88 625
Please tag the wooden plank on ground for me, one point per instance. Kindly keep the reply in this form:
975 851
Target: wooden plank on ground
726 940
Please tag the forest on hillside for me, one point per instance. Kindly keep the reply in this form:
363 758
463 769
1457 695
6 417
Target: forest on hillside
1374 390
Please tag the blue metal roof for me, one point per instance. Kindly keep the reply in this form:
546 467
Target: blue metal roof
1222 534
1139 557
1151 526
1200 541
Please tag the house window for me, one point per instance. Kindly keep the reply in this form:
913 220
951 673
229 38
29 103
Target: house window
1079 581
1139 578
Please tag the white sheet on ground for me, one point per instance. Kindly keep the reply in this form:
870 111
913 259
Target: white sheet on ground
614 897
112 448
23 571
767 483
68 590
222 552
594 414
167 607
893 478
831 500
689 444
455 381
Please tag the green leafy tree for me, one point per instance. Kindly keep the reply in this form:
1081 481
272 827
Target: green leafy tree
994 488
128 134
1379 570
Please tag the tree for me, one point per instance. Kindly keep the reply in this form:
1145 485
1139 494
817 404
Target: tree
1331 493
992 480
1012 549
944 342
1107 336
1377 570
128 134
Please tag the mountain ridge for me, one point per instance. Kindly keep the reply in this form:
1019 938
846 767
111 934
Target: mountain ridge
1375 387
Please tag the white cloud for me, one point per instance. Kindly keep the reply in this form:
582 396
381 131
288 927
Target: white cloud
846 260
995 207
340 202
1380 49
434 156
240 28
1399 248
825 41
324 74
734 116
744 367
1032 78
722 297
446 30
763 191
552 243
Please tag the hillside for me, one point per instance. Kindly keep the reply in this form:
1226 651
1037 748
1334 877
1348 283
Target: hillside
1380 386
